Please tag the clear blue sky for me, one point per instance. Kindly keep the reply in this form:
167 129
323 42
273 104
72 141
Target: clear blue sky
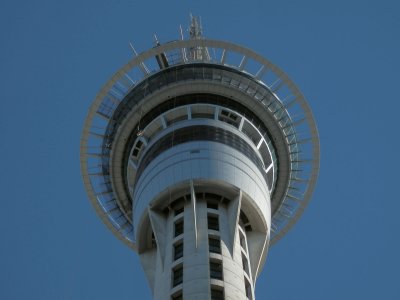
55 56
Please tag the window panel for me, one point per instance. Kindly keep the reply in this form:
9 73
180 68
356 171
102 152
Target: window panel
216 269
217 294
214 245
177 276
213 222
178 250
178 227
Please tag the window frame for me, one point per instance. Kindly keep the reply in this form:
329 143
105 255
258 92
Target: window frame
217 293
178 255
213 248
179 227
177 275
213 225
216 269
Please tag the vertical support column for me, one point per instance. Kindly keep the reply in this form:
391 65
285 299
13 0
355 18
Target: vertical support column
195 259
159 225
233 219
193 202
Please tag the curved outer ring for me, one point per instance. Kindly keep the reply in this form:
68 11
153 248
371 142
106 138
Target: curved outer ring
184 44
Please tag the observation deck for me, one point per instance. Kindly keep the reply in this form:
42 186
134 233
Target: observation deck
274 103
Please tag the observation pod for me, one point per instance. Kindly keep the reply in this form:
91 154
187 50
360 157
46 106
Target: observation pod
198 154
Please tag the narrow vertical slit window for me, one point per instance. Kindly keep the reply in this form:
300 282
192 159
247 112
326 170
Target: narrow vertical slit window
177 276
178 250
213 222
242 241
245 263
178 227
216 269
214 244
217 293
248 289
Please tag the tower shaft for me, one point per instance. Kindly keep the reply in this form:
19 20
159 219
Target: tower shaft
195 237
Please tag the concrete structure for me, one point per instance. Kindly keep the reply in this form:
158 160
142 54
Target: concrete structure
198 154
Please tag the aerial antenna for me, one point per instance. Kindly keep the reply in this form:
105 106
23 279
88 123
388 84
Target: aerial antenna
201 25
183 50
181 31
195 31
156 41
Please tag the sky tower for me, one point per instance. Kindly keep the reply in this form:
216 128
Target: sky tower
199 154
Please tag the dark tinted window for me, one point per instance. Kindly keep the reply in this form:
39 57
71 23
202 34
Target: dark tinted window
217 294
214 245
177 276
178 227
178 251
248 289
216 269
213 222
212 205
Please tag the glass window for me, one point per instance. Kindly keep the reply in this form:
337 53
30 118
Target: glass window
178 250
248 289
177 276
245 264
216 269
214 245
213 223
242 241
178 227
217 293
212 205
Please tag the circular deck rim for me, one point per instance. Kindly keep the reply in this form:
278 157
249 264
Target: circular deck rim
138 61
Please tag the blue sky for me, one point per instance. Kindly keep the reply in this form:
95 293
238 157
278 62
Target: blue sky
55 56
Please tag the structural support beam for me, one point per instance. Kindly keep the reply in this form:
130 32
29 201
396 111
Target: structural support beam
243 63
257 245
233 219
193 196
223 57
159 226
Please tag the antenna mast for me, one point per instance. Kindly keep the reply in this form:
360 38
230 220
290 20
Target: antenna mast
196 33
